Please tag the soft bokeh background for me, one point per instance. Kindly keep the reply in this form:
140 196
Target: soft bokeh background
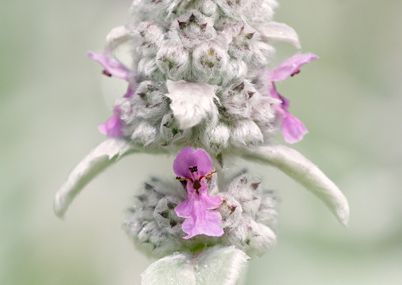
52 98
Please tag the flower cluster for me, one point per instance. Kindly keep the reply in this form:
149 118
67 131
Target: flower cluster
194 212
217 55
201 85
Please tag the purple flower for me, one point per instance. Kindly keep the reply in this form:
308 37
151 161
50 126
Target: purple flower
194 167
111 66
113 127
293 130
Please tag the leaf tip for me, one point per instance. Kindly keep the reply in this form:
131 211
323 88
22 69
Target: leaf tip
58 207
343 213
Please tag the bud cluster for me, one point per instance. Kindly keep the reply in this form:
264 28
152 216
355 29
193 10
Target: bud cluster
207 42
248 213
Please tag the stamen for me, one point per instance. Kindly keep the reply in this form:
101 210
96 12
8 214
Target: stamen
193 169
107 73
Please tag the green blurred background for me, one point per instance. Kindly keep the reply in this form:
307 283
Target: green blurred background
52 98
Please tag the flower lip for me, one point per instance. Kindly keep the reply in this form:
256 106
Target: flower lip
291 66
293 130
111 65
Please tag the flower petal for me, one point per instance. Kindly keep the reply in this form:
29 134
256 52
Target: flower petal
198 212
113 127
111 65
98 160
191 102
291 66
130 91
293 130
305 172
209 224
190 157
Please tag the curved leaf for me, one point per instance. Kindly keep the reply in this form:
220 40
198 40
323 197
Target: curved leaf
220 266
213 266
306 173
116 37
280 32
175 269
98 160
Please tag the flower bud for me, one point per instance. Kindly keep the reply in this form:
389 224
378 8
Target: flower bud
208 8
193 28
209 61
150 38
150 102
144 134
216 137
239 98
246 132
173 60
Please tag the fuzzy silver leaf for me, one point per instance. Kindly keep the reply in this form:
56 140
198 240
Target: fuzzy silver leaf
100 158
295 165
174 269
214 266
220 266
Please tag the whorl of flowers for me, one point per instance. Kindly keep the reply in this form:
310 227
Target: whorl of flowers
201 85
249 217
217 52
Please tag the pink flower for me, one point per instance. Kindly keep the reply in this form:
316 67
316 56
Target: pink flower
194 167
293 130
111 65
113 127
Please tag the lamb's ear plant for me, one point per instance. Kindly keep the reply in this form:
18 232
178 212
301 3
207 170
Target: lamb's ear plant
201 86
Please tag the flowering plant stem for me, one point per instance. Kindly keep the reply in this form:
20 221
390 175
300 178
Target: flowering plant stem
201 86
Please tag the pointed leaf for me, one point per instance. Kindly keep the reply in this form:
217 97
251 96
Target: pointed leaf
306 173
116 37
275 31
214 266
220 266
175 269
98 160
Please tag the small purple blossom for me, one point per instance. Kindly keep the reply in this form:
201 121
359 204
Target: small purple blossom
113 127
194 167
112 67
293 130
